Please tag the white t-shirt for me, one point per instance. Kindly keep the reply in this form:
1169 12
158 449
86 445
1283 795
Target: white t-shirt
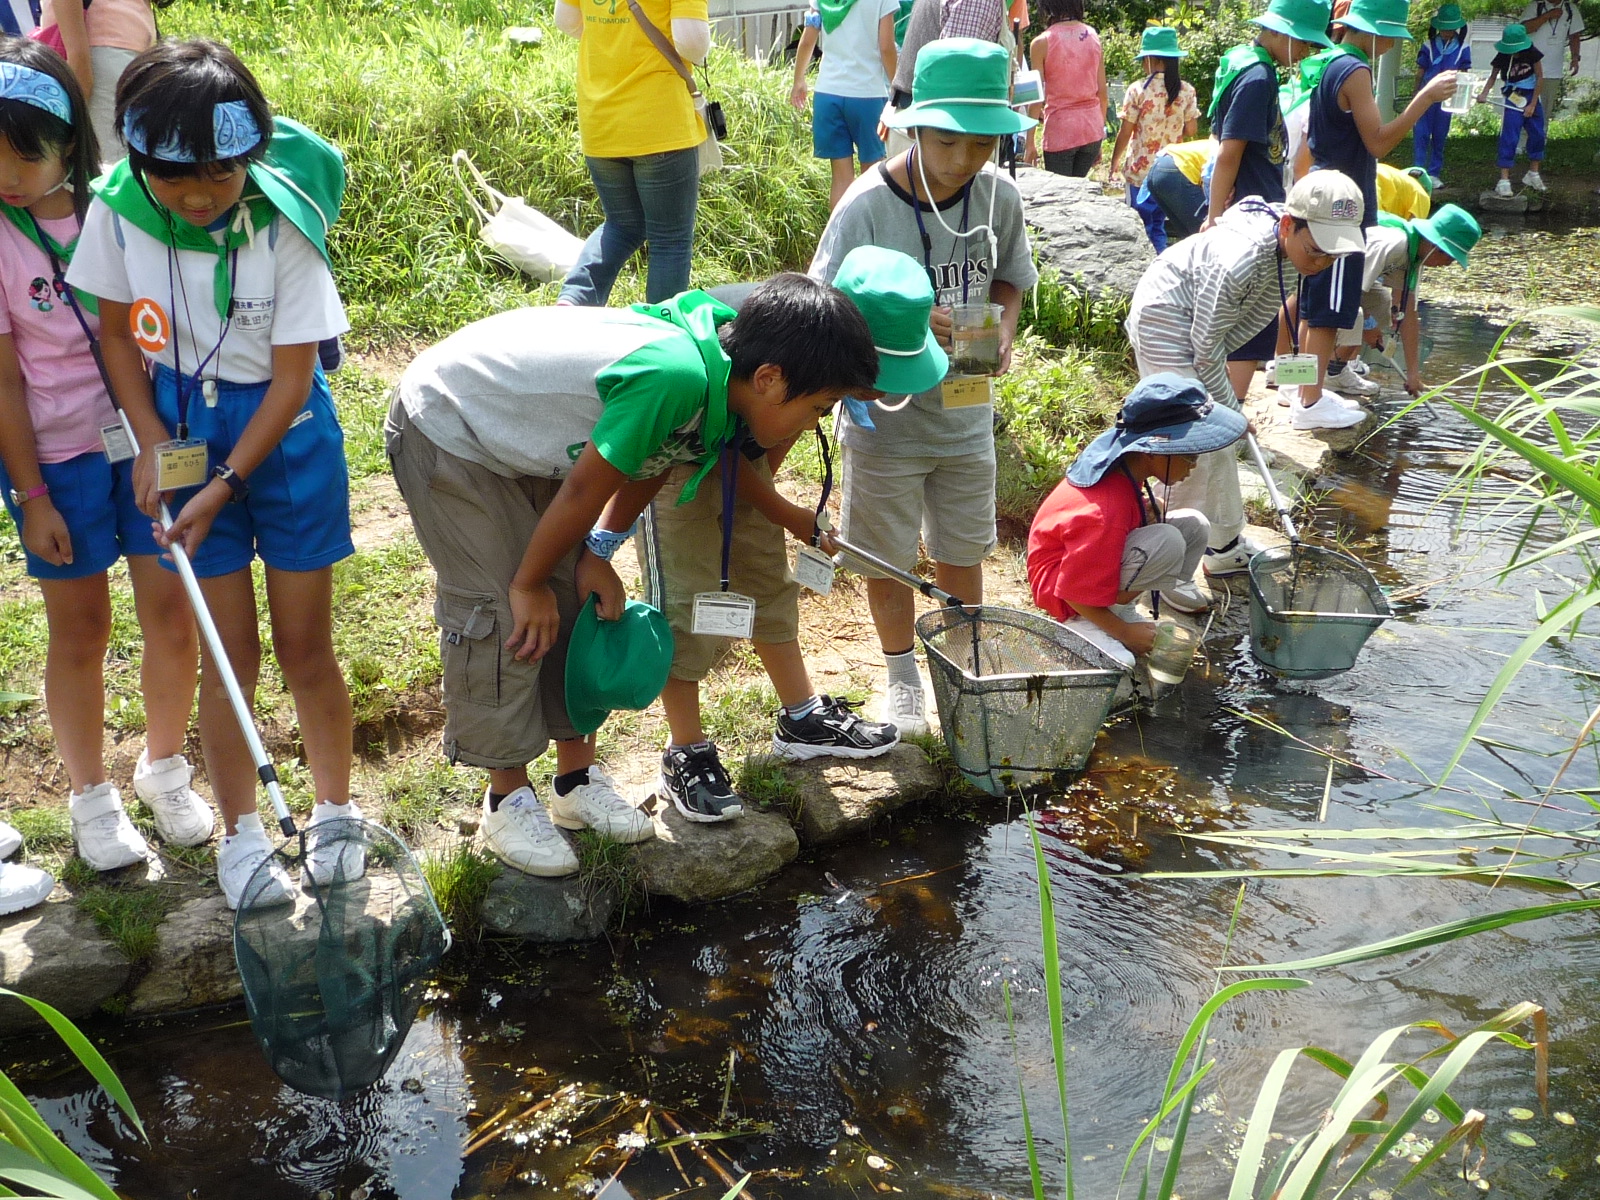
1551 37
284 294
851 64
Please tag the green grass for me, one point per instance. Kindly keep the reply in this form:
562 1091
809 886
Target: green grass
419 794
459 878
765 782
362 400
129 916
1469 154
44 829
605 866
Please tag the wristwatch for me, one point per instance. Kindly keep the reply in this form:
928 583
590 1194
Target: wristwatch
19 498
230 477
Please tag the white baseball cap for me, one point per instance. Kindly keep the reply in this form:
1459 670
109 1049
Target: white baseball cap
1330 203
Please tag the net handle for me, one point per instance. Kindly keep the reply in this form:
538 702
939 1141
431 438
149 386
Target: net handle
1278 501
905 577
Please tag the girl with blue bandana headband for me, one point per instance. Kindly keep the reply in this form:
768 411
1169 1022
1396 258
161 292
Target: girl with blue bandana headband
207 250
70 492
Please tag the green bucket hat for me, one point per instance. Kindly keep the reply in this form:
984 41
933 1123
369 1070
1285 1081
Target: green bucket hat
1303 20
1513 38
1381 18
615 664
1448 17
1453 229
962 85
894 295
1424 180
1160 41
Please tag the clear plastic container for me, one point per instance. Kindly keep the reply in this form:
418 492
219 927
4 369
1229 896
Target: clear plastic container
1169 659
1467 85
975 339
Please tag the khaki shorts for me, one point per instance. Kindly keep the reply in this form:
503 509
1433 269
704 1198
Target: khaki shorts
1375 304
474 525
689 545
887 503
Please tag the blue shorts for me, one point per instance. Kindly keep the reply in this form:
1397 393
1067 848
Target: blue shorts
846 127
1331 299
1261 346
297 514
95 498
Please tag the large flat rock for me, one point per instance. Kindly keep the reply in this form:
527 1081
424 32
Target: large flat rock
1087 235
696 862
840 798
193 962
547 910
56 954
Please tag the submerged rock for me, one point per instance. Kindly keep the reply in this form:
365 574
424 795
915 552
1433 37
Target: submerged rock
840 798
56 954
1084 233
193 962
547 910
694 862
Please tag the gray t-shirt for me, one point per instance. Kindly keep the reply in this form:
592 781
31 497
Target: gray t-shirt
876 211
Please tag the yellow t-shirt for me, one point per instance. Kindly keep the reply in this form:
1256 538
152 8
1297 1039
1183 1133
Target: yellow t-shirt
1400 194
1191 157
630 100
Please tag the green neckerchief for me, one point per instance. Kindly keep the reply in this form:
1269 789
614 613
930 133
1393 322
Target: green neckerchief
34 232
1413 248
833 12
698 314
1304 81
125 196
901 19
1230 65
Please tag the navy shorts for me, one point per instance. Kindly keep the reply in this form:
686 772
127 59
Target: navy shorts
1260 347
296 516
95 499
846 127
1332 299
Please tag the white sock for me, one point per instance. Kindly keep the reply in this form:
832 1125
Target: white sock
903 668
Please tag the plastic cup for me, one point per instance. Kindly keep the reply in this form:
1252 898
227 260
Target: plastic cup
975 339
1169 659
1467 85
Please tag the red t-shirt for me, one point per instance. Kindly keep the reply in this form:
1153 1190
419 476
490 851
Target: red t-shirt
1076 542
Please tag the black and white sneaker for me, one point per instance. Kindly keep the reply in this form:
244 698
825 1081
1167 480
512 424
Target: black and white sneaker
697 782
832 730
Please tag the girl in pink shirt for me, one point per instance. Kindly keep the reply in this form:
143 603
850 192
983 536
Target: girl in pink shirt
1068 56
66 472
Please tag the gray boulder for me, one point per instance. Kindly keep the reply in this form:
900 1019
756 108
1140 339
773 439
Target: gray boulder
840 798
546 910
193 961
56 954
695 863
1086 235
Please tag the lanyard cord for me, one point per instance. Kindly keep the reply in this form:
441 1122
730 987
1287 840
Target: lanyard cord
60 278
922 228
827 483
729 468
1155 597
176 277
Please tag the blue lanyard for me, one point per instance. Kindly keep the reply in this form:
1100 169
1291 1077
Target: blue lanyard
174 287
922 229
59 276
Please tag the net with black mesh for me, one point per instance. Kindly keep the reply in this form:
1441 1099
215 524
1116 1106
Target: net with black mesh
1312 610
334 969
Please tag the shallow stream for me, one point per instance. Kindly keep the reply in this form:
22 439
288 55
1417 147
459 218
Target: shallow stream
860 992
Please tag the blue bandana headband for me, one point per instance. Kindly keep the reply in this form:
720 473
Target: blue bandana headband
233 131
18 82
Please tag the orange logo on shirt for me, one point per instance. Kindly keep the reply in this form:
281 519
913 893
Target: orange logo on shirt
151 329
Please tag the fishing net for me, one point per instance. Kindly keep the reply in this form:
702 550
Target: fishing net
334 972
1311 610
1020 697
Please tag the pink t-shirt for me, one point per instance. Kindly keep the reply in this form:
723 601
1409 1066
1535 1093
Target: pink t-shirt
60 382
1072 113
125 24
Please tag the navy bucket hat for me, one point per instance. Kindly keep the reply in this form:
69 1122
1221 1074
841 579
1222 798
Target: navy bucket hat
1164 414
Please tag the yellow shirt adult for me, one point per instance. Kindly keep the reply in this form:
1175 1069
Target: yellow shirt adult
630 100
1400 194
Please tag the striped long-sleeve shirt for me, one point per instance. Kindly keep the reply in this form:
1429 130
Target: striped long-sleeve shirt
1210 294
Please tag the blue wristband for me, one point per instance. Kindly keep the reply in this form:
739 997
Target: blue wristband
603 543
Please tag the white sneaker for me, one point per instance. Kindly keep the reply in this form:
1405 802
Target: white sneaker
1101 640
1436 181
1536 181
22 886
335 859
905 707
520 834
238 861
10 839
1271 372
1359 367
597 805
1326 413
1348 380
106 839
1235 560
1185 598
1503 188
182 817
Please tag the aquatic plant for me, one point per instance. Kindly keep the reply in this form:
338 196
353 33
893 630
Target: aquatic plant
33 1160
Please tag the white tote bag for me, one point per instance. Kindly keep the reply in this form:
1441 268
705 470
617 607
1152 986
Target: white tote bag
515 230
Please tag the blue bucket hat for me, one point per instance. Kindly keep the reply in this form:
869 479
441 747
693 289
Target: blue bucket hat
1164 414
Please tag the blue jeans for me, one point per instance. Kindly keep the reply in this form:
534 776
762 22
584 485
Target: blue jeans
1150 212
1512 123
1182 202
651 199
1427 140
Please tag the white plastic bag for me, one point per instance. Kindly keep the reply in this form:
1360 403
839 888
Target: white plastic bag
515 230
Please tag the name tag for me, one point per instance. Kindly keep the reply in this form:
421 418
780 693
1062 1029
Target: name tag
813 569
724 614
117 442
967 391
252 312
1296 369
181 465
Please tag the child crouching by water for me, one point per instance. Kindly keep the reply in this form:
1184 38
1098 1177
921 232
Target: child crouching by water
1101 538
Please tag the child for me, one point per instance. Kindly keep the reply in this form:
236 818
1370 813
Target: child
1156 112
858 61
526 445
99 40
1518 62
220 263
1445 50
894 295
1176 181
74 508
928 467
1072 67
1211 293
1397 250
1097 543
1349 135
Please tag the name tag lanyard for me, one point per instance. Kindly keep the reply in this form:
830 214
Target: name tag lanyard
922 228
175 288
